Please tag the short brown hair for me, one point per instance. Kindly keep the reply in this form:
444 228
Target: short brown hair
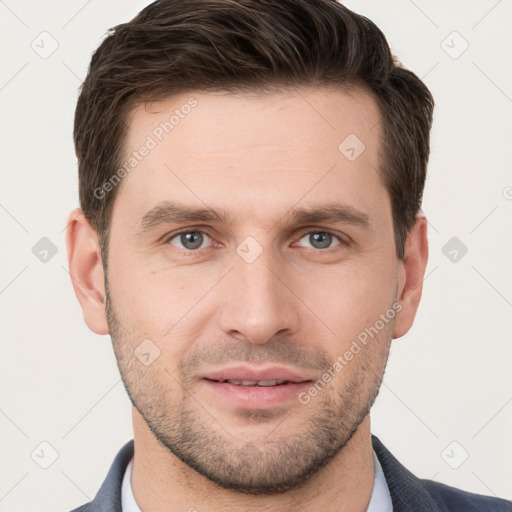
175 46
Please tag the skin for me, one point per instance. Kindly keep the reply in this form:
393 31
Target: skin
257 157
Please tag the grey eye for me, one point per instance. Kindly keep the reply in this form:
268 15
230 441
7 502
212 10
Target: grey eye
320 239
189 240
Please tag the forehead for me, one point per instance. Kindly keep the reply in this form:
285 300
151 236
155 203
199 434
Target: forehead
295 115
253 152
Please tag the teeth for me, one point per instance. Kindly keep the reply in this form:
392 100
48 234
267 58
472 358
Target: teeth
262 383
270 382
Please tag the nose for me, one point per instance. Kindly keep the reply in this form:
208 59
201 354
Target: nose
259 301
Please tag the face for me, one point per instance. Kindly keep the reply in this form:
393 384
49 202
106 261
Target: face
248 252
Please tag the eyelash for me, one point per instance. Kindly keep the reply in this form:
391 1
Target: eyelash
343 241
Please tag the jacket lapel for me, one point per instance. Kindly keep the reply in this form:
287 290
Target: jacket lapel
108 498
407 491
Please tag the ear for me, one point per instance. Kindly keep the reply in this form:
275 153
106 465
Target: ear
411 274
86 270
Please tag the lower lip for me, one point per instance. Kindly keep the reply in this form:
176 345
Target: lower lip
257 397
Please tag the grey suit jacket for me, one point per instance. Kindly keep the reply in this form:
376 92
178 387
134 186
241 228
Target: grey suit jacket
408 493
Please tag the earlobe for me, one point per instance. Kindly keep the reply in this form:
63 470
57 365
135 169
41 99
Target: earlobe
411 275
86 271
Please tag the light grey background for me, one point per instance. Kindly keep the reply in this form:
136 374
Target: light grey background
447 392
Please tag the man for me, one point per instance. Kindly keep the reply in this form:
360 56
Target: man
250 235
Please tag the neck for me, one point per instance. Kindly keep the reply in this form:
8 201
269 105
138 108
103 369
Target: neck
160 480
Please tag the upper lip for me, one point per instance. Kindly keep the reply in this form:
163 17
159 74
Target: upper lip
248 373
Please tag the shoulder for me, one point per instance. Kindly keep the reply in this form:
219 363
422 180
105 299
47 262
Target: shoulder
108 498
411 493
456 499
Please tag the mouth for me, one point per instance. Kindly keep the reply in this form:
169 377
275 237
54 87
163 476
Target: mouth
255 388
256 375
258 383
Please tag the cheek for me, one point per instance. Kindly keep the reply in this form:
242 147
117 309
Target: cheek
164 306
350 299
149 298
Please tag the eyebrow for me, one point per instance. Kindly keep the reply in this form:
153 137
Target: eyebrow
169 212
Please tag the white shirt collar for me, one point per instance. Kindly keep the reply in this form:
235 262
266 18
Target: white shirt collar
379 502
381 499
128 503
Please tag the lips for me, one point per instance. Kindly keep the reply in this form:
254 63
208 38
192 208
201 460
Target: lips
255 388
247 376
262 383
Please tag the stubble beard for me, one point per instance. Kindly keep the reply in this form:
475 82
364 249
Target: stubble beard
284 459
